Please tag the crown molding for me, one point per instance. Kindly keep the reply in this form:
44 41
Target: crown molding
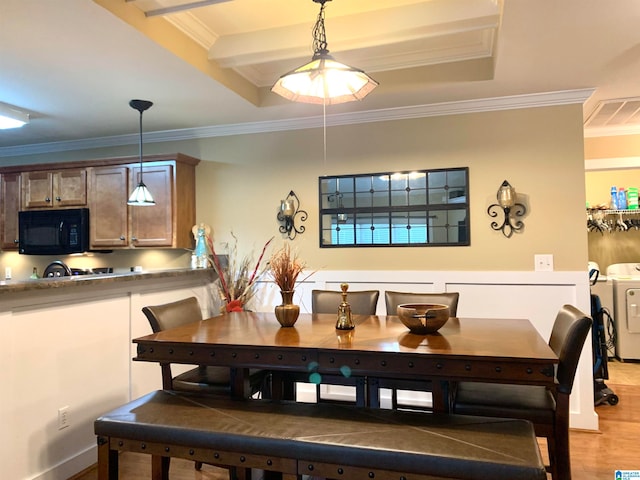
546 99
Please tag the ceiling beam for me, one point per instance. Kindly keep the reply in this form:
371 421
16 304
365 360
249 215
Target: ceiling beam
181 8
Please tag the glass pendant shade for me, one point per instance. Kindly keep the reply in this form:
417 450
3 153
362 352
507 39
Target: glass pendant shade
324 81
141 196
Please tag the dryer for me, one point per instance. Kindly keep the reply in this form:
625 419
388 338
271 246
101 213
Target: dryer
625 278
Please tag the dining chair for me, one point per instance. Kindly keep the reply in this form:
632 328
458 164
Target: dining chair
203 379
216 380
392 300
546 408
362 302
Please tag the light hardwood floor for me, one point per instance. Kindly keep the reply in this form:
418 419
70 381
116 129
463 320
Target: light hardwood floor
594 455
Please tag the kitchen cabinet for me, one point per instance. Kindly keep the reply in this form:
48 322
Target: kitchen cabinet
152 226
168 223
54 189
10 196
108 194
104 186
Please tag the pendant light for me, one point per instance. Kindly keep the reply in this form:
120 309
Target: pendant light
140 197
324 80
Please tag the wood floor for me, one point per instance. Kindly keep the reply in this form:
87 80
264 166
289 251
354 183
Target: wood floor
594 455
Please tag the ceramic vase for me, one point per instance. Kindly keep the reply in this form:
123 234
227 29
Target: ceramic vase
287 313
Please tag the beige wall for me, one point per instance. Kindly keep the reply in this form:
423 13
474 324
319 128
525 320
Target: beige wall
612 147
539 151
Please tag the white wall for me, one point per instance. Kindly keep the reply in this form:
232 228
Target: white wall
66 349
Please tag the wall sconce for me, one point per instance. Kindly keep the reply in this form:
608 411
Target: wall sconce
289 210
508 206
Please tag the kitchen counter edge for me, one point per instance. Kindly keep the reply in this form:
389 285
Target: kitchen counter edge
16 286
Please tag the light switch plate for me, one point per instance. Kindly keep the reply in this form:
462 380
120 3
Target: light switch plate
543 262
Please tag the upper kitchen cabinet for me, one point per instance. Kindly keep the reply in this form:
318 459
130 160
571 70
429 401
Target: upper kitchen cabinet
171 181
54 189
168 223
10 198
108 211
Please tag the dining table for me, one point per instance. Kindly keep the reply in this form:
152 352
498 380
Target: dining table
494 350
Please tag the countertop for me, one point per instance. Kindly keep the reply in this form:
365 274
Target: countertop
107 279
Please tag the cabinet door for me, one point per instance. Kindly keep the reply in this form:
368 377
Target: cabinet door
51 189
153 226
37 189
70 188
10 196
108 206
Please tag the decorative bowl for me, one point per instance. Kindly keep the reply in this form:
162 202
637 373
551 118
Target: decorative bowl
423 318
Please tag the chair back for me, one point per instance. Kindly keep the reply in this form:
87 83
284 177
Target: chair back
327 301
393 299
169 315
174 314
568 335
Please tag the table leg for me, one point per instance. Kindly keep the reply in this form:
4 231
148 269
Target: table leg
240 383
440 396
373 392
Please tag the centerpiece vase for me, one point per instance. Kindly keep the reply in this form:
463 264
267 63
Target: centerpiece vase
287 313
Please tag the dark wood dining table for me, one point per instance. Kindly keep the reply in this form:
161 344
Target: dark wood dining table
475 349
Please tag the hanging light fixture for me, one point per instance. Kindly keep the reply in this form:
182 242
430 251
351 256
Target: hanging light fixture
324 80
140 197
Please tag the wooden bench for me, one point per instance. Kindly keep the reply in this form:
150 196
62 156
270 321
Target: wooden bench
325 440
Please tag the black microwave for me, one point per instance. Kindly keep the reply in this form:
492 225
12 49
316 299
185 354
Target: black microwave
53 232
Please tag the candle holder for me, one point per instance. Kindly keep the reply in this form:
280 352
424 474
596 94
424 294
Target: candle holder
289 213
508 206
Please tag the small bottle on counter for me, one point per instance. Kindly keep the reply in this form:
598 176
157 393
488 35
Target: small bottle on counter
34 274
622 199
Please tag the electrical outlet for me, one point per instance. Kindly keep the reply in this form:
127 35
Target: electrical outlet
7 273
63 417
543 263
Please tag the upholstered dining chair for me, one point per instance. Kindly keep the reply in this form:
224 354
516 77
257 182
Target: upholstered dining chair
547 409
392 300
362 302
203 379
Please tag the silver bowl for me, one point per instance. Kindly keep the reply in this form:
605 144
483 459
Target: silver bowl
423 318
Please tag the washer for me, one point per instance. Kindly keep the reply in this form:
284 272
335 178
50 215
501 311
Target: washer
625 278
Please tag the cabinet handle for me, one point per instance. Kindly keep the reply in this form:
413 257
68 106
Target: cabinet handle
16 241
58 199
121 237
47 199
134 239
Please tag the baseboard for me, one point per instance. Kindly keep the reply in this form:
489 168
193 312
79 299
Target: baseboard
71 467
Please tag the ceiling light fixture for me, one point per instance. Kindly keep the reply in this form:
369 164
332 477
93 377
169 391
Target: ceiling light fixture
324 80
140 197
11 117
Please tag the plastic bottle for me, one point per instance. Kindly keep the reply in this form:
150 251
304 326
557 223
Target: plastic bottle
622 199
614 198
632 198
34 274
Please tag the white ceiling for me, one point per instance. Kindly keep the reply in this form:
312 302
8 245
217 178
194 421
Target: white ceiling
73 65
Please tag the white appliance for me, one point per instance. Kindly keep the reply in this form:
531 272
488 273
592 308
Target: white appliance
625 279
